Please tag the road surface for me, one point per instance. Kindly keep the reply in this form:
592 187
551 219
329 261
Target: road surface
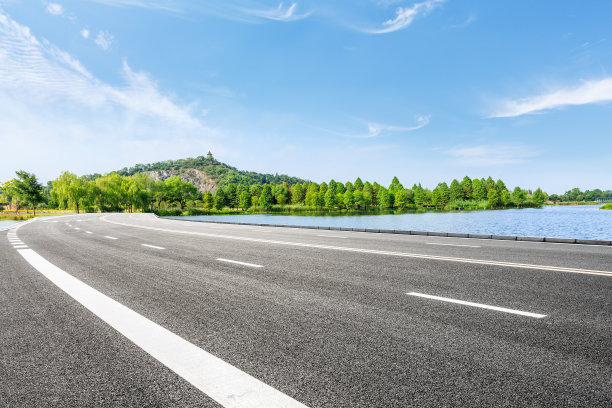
133 310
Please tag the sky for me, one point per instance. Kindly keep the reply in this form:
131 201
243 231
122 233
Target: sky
425 90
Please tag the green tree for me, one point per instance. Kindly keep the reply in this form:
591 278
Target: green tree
493 198
395 185
358 184
466 186
349 199
456 192
180 191
401 199
245 200
538 197
208 201
505 198
266 200
27 189
478 190
330 198
519 197
384 198
70 190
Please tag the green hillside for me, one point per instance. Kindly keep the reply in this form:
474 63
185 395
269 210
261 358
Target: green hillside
221 173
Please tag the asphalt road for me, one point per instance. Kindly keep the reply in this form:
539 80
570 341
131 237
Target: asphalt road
312 317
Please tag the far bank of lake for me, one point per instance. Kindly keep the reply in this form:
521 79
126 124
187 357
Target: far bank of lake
575 221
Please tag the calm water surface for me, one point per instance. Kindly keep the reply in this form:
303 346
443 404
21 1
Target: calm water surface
7 223
571 221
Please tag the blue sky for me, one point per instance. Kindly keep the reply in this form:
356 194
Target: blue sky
427 90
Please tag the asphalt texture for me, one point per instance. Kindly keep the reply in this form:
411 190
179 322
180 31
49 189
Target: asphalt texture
329 327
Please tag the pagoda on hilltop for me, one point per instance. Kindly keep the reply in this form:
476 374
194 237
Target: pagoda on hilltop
209 155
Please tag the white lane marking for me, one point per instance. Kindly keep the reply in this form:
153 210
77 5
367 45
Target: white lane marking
152 246
480 305
256 230
106 236
17 243
240 263
457 245
20 246
76 228
372 251
89 232
330 236
70 225
221 381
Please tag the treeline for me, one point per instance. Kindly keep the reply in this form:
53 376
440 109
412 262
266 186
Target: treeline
138 192
575 195
357 195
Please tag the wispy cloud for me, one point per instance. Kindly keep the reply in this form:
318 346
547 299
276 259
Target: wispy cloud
104 40
55 9
405 16
594 91
491 155
375 129
163 5
85 33
280 13
48 98
468 21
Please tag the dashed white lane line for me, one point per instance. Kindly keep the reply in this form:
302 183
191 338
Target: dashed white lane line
107 237
88 232
480 305
456 245
330 236
239 263
224 383
152 246
76 228
372 251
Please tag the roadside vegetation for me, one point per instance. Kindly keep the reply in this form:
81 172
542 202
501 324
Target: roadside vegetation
575 197
174 196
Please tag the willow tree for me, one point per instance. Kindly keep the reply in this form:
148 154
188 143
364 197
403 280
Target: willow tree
27 189
70 190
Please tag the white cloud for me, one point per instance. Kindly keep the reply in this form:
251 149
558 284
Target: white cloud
85 33
405 16
104 40
466 23
280 13
491 155
594 91
62 117
375 129
55 9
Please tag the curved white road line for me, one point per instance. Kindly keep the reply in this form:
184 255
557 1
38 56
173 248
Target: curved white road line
224 383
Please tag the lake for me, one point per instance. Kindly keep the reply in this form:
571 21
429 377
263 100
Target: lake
7 223
569 221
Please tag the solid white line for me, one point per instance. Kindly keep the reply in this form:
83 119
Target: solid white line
240 263
152 246
224 383
457 245
331 236
371 251
480 305
106 236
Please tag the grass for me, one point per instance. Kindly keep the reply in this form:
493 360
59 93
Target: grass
27 215
606 207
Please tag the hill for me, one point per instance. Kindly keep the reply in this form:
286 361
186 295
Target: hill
206 173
